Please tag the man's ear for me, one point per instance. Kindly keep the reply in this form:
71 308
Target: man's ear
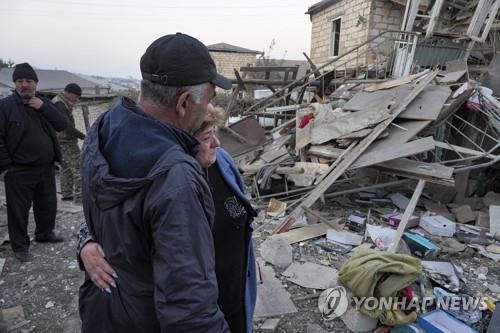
182 103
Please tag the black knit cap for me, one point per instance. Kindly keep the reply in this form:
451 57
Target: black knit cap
180 60
24 71
74 88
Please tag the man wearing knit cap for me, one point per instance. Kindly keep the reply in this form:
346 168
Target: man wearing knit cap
68 139
28 150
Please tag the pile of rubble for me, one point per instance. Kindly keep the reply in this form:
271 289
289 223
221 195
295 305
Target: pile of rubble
402 173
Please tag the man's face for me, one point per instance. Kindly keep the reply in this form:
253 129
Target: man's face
73 98
26 88
195 113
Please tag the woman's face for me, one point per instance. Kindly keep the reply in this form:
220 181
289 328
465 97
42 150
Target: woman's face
208 144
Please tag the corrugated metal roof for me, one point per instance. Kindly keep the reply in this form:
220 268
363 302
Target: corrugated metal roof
49 79
224 47
317 7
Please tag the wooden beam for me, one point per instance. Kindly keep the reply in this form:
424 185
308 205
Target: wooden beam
400 150
357 151
407 214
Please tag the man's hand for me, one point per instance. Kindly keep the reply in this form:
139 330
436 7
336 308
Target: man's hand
35 102
97 267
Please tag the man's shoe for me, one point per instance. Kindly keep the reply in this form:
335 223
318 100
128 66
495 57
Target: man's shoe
50 238
22 256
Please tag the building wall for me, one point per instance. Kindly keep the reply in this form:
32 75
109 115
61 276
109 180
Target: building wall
385 15
352 33
226 62
377 16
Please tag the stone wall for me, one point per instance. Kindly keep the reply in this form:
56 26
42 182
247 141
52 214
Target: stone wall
353 30
360 21
385 15
226 62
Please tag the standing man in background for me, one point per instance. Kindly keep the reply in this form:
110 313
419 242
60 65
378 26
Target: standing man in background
68 139
28 150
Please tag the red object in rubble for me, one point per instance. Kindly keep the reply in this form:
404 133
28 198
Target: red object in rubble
306 119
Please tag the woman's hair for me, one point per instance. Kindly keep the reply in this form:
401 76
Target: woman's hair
215 117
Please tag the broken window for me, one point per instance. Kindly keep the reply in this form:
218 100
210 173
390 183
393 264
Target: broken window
335 38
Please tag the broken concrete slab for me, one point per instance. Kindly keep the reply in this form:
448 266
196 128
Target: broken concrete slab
495 220
310 275
272 298
358 322
482 250
483 220
269 325
399 200
491 198
2 263
276 251
443 273
464 214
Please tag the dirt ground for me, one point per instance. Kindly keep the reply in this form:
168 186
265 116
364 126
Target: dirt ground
47 287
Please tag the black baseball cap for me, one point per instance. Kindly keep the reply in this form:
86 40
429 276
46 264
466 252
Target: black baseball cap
180 60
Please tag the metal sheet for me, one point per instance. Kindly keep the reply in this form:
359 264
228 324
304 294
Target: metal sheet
250 129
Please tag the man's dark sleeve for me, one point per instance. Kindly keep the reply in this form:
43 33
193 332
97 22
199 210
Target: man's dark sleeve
55 118
70 128
183 261
5 160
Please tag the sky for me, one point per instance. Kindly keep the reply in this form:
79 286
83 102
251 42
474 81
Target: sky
108 37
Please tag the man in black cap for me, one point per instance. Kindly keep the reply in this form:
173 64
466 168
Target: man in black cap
70 171
147 202
28 150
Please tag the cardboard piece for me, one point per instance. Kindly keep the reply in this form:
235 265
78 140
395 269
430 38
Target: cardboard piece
420 246
438 225
395 220
304 233
438 321
344 237
275 207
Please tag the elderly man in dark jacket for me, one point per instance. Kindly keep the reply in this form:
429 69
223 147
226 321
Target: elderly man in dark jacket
28 150
147 201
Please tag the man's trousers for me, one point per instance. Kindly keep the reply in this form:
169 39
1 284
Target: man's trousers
25 185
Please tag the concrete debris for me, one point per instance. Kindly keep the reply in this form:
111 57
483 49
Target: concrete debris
464 214
269 325
276 252
442 273
272 298
358 322
310 275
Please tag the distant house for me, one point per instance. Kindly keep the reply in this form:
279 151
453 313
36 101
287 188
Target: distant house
228 57
54 81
